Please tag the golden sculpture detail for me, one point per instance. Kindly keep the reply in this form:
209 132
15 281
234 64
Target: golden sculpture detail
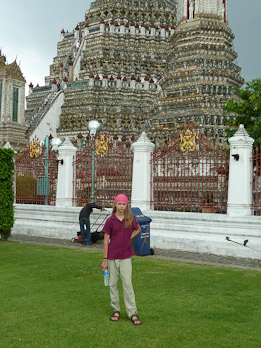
102 145
35 149
188 141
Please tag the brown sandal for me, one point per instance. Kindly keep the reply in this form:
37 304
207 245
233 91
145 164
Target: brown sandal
115 316
135 318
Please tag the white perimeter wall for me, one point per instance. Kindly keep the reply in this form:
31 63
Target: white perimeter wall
169 230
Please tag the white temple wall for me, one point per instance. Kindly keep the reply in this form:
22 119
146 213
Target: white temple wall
50 122
168 230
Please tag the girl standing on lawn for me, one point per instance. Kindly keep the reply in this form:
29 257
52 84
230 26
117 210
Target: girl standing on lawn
118 230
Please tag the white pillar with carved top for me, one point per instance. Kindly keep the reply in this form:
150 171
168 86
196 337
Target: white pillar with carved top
64 194
240 174
141 179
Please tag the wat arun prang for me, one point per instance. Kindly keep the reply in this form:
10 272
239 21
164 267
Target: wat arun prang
152 65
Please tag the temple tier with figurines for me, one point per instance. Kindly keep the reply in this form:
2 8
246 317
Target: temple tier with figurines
140 65
201 72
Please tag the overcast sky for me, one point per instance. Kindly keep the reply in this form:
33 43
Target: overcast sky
30 30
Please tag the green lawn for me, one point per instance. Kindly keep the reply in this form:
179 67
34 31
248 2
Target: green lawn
55 297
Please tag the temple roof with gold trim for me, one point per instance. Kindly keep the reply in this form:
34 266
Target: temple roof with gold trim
10 70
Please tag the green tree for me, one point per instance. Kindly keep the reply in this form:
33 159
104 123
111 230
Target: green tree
6 192
246 110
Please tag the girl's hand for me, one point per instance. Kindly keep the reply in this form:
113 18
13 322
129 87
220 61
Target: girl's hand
104 265
134 233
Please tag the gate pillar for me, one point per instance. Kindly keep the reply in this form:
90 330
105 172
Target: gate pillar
240 174
64 195
141 190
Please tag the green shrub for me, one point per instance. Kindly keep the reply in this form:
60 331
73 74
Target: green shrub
6 192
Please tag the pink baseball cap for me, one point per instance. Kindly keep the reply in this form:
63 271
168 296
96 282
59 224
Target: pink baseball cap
121 198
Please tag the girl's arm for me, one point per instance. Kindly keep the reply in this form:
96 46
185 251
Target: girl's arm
105 252
134 233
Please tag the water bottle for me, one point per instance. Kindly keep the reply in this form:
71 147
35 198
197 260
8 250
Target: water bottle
106 277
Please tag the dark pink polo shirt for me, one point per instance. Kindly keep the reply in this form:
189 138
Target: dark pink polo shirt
120 238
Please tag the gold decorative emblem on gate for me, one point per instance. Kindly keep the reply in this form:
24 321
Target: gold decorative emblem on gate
102 145
188 141
35 149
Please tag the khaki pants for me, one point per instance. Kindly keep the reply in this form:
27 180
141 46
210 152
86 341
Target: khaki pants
124 268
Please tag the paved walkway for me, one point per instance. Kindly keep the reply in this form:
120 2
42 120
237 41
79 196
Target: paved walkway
172 255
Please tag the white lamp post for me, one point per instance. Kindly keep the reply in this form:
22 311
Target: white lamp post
94 127
56 142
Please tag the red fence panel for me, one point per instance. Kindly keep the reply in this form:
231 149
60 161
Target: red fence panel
36 174
256 181
104 168
190 173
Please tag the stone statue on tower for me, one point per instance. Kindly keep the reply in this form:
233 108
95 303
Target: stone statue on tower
191 9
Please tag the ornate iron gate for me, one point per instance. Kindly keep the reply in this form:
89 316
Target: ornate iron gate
256 181
36 174
102 170
190 173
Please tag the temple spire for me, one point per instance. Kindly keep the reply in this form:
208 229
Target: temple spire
2 59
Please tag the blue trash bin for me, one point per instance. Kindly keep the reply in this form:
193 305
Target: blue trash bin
141 243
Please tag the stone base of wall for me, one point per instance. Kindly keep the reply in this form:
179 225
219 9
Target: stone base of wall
206 233
169 230
14 133
50 221
46 221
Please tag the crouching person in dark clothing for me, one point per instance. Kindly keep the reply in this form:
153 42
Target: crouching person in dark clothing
84 220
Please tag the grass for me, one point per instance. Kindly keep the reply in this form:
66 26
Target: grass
55 297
